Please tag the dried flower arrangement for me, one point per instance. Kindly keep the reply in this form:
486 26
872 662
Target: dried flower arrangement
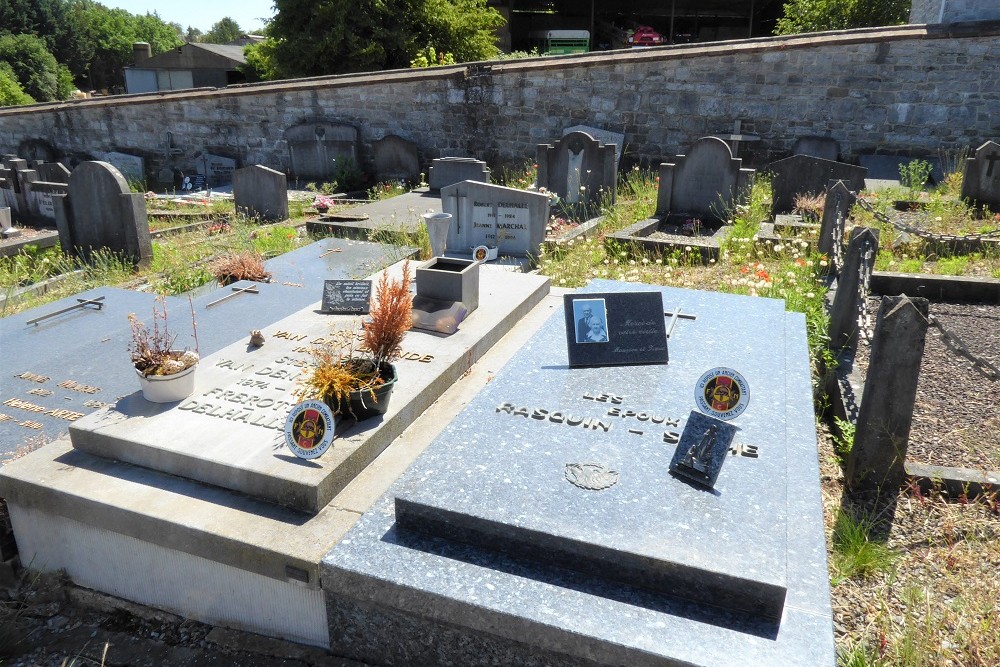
810 206
151 348
243 265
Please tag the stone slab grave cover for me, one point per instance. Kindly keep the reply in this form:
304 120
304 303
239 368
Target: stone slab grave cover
579 168
447 171
395 159
604 136
981 182
543 523
101 211
319 150
218 169
801 174
492 215
132 167
261 193
826 148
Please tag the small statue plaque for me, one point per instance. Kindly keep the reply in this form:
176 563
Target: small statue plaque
702 449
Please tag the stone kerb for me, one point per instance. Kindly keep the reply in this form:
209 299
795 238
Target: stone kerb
100 211
705 182
579 168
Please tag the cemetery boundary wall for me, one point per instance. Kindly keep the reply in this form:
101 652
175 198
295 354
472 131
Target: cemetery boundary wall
909 90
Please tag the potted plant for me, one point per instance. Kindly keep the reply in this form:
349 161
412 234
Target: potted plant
358 381
165 374
322 203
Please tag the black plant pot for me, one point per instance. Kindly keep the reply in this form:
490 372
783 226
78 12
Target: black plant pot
367 403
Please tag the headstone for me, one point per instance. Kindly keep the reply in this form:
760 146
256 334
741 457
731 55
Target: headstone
38 198
53 172
604 136
218 170
318 150
543 522
132 167
261 193
395 159
578 168
705 183
4 217
615 329
882 433
852 288
981 181
826 148
447 171
836 210
484 214
101 212
804 175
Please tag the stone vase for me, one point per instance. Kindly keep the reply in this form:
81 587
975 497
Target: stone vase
167 388
437 228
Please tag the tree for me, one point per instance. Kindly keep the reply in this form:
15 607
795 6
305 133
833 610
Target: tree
11 93
36 70
818 15
43 18
316 37
193 34
224 31
261 64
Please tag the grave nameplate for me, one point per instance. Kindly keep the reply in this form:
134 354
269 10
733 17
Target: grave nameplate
218 170
544 521
615 329
346 296
493 215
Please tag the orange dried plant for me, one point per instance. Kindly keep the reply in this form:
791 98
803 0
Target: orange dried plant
391 313
242 265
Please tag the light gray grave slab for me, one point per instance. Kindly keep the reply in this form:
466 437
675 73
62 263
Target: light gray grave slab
801 174
704 183
395 159
604 136
4 217
485 214
261 193
318 150
101 212
981 181
447 171
218 170
509 561
132 167
826 148
579 168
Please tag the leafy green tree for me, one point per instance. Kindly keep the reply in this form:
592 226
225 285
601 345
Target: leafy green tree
261 64
316 37
818 15
43 18
11 93
36 69
193 34
224 31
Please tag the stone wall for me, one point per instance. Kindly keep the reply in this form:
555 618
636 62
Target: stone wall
908 90
952 11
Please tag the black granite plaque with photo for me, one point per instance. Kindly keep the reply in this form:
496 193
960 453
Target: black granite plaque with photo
615 329
346 297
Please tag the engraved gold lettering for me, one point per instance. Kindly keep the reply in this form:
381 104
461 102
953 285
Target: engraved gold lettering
31 424
76 386
426 359
5 418
287 335
68 415
23 405
40 392
671 437
34 377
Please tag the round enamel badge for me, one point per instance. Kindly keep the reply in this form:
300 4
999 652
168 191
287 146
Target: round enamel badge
722 393
309 429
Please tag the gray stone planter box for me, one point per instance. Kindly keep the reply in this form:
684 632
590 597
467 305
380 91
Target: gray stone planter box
450 279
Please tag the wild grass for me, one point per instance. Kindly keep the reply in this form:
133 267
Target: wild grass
855 553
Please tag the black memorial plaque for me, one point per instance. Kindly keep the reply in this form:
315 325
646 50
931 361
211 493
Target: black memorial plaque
615 329
349 297
702 449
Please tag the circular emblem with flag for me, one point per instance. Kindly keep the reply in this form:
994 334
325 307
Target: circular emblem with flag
722 393
309 429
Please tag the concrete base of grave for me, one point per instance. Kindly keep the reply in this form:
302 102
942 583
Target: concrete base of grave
220 556
640 234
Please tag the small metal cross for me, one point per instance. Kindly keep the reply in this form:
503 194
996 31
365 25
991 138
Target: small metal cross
252 289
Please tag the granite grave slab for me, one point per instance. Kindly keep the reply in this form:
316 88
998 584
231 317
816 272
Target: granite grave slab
218 169
261 192
488 544
492 215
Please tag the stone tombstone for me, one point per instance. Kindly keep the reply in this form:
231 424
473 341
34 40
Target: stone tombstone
705 183
579 168
4 217
447 171
319 150
802 174
101 212
53 172
827 148
836 210
604 136
396 159
38 197
261 193
218 169
132 167
485 214
981 181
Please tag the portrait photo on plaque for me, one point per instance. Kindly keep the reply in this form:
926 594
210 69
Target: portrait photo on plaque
591 316
615 328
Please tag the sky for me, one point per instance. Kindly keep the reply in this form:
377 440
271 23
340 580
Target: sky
201 14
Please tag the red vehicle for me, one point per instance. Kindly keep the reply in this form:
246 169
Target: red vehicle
645 36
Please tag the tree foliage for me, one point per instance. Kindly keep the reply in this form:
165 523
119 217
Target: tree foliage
317 37
224 31
35 69
819 15
11 93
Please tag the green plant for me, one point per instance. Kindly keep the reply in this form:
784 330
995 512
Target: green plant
952 266
858 654
386 190
914 174
854 552
152 348
843 435
429 57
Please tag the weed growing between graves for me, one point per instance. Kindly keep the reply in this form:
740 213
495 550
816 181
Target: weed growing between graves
855 553
387 190
401 235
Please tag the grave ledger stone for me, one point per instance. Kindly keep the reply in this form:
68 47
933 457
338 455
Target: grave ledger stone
981 182
260 192
544 523
321 150
492 215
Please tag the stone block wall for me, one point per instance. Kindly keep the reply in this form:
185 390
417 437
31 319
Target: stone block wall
909 90
953 11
